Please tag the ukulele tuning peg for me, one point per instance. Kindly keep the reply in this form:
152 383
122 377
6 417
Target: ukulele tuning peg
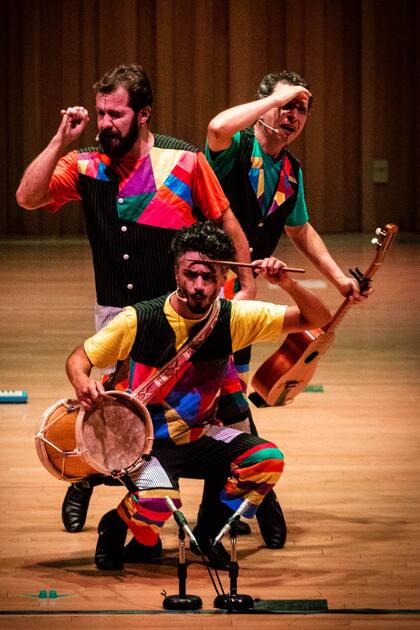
380 232
375 241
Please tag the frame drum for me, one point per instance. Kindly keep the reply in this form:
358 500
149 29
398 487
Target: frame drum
112 439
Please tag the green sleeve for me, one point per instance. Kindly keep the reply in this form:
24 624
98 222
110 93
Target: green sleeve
223 161
299 214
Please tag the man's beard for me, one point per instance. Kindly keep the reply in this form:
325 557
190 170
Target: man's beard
198 309
201 307
116 145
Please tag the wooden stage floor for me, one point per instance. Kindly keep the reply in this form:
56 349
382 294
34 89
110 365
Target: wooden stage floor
350 490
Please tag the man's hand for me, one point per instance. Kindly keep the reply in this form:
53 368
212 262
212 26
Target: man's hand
73 124
308 241
349 287
284 93
33 191
272 269
308 312
88 390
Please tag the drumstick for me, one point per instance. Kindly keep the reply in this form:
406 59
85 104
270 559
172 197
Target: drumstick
244 264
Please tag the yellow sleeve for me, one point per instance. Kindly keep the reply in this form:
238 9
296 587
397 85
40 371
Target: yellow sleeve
114 341
252 321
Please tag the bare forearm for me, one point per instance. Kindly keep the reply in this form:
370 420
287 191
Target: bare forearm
310 244
223 126
309 311
78 368
33 189
313 312
233 229
227 123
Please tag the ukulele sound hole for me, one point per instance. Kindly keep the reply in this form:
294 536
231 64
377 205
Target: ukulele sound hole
311 356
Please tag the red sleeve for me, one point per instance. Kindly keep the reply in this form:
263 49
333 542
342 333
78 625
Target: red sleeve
207 192
64 184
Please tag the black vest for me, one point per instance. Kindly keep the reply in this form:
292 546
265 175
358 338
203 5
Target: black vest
149 267
154 344
263 233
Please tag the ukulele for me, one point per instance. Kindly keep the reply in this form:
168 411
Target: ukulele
288 371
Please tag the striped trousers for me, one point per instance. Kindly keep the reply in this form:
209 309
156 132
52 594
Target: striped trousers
242 465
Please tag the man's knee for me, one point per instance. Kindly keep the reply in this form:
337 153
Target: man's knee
262 464
146 511
272 458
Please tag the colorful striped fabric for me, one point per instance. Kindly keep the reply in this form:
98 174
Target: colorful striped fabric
284 188
157 193
187 401
96 165
254 474
146 511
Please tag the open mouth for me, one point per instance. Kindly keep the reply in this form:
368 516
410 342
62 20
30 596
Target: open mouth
288 128
109 136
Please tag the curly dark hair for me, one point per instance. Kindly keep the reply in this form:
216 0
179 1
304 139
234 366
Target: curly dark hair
270 81
205 238
134 79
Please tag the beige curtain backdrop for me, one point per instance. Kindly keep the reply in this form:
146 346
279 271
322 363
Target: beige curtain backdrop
205 55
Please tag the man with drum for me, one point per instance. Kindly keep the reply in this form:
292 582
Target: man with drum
137 189
188 439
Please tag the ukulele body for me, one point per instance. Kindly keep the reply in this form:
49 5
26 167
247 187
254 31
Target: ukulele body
287 372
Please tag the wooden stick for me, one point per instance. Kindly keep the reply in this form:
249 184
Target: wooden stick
244 264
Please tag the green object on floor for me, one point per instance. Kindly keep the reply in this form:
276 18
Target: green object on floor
44 594
314 388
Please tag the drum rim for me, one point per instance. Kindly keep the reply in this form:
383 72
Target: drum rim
148 442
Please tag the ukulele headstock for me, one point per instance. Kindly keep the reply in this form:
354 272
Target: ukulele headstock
383 239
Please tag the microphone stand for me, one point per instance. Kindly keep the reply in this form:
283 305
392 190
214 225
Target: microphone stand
182 601
233 600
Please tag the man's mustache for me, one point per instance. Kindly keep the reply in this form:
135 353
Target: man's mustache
108 134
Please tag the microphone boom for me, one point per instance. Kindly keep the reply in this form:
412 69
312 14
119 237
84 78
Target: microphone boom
232 520
181 521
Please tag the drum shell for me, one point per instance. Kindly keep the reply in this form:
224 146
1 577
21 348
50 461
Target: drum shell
58 426
66 451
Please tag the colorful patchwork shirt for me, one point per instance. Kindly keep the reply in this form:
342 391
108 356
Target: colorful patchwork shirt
265 193
152 332
133 210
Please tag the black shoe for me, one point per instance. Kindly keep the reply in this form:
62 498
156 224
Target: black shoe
110 546
242 528
271 521
217 555
135 552
75 506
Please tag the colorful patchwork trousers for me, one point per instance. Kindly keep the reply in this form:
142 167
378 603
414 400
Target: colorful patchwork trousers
242 465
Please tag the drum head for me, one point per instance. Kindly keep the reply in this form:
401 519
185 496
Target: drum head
112 436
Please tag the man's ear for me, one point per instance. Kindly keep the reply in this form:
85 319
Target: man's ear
144 115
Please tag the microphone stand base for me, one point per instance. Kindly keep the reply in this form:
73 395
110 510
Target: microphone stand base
234 602
186 602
